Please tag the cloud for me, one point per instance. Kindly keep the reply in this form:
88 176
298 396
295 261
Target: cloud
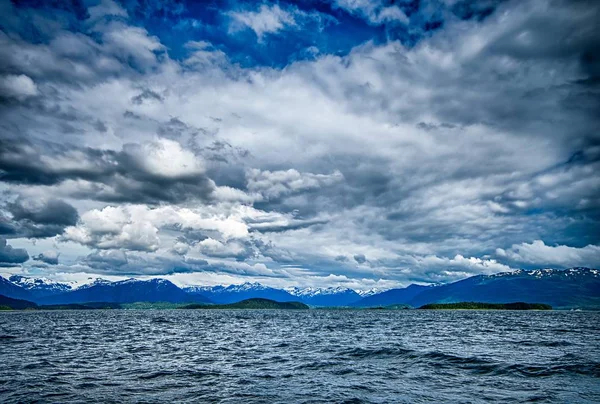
240 251
275 184
373 11
538 254
204 55
17 86
106 8
49 257
130 44
282 224
272 19
114 228
180 248
444 269
36 218
266 20
52 211
424 153
136 227
11 256
159 170
146 94
164 158
106 260
359 258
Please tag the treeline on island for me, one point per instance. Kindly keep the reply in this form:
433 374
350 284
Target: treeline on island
486 306
256 303
260 303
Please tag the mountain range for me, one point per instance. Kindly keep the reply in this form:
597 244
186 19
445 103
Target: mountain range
571 288
339 296
236 293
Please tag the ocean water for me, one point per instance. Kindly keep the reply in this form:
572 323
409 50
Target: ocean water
299 356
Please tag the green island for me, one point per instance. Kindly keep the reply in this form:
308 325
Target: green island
254 304
486 306
259 304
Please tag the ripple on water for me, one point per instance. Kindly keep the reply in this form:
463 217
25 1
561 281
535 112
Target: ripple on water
308 356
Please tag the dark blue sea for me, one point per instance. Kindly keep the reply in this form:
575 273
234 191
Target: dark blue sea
299 356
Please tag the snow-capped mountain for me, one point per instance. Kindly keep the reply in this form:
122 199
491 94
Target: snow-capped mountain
370 292
14 291
92 282
126 291
392 296
551 273
338 296
236 293
574 287
40 287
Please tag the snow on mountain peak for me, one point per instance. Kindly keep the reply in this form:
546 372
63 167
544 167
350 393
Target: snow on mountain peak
93 282
247 286
29 283
547 272
313 291
370 292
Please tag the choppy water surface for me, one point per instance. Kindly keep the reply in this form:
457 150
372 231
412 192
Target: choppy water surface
299 356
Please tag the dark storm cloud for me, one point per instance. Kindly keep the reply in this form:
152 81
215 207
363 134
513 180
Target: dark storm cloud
541 205
36 218
53 211
117 262
21 162
270 227
113 176
11 256
106 260
49 257
564 36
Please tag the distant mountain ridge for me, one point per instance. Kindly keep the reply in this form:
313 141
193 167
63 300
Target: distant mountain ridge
40 287
127 291
392 296
339 296
236 293
571 288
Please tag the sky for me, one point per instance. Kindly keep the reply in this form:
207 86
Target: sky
365 144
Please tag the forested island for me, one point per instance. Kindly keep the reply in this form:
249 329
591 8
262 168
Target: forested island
486 306
256 303
7 303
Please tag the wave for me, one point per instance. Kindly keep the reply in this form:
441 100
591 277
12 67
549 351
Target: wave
474 364
198 374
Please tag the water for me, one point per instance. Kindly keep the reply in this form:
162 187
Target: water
299 356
